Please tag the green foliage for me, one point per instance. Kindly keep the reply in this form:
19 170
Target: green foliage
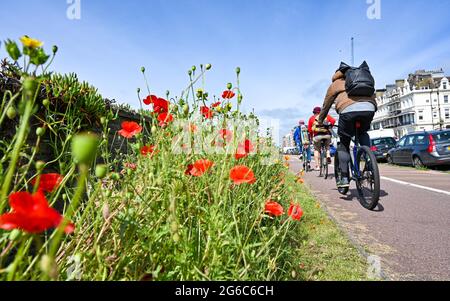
83 98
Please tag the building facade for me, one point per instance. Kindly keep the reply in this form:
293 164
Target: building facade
418 103
288 140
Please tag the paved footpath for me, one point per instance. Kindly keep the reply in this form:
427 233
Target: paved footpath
409 231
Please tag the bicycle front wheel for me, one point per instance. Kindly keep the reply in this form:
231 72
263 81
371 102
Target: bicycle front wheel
368 181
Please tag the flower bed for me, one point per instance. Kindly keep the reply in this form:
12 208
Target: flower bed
197 195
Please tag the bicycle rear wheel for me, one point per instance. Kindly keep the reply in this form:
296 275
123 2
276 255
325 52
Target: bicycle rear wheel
368 182
322 160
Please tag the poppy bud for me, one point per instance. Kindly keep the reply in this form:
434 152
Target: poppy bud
190 72
143 69
14 235
238 70
64 196
154 129
105 211
30 86
229 107
186 109
194 68
208 66
139 90
46 103
100 171
103 120
174 227
229 86
240 97
40 165
55 49
84 148
11 113
48 266
115 176
40 132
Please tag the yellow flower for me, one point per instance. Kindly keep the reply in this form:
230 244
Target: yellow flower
31 43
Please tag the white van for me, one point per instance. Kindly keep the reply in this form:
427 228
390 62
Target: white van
383 133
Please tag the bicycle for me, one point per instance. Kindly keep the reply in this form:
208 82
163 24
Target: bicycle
306 163
364 171
323 153
323 159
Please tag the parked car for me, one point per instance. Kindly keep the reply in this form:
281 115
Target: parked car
424 149
382 146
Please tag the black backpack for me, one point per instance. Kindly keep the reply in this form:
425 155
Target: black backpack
358 80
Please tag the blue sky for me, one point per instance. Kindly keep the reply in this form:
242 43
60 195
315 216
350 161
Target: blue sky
287 49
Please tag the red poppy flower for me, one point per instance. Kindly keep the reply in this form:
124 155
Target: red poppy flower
160 105
31 213
150 99
48 182
226 135
207 112
131 166
148 150
190 167
192 128
164 119
201 167
216 104
296 212
242 174
273 208
228 94
244 149
130 129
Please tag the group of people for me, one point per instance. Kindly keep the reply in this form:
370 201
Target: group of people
311 134
352 91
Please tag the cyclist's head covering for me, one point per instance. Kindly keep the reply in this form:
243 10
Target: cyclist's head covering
317 110
301 122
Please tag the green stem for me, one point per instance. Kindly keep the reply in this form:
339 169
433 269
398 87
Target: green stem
70 212
17 259
22 135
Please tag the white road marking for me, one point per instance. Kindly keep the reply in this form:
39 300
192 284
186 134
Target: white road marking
416 186
412 185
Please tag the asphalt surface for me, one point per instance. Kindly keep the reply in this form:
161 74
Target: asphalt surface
409 231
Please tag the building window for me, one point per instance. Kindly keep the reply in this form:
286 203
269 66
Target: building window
446 99
447 113
445 86
428 101
435 115
420 115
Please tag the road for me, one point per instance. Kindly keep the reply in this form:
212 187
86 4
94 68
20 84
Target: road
409 231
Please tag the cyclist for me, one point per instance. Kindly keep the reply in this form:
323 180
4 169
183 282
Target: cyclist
302 141
319 133
351 109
